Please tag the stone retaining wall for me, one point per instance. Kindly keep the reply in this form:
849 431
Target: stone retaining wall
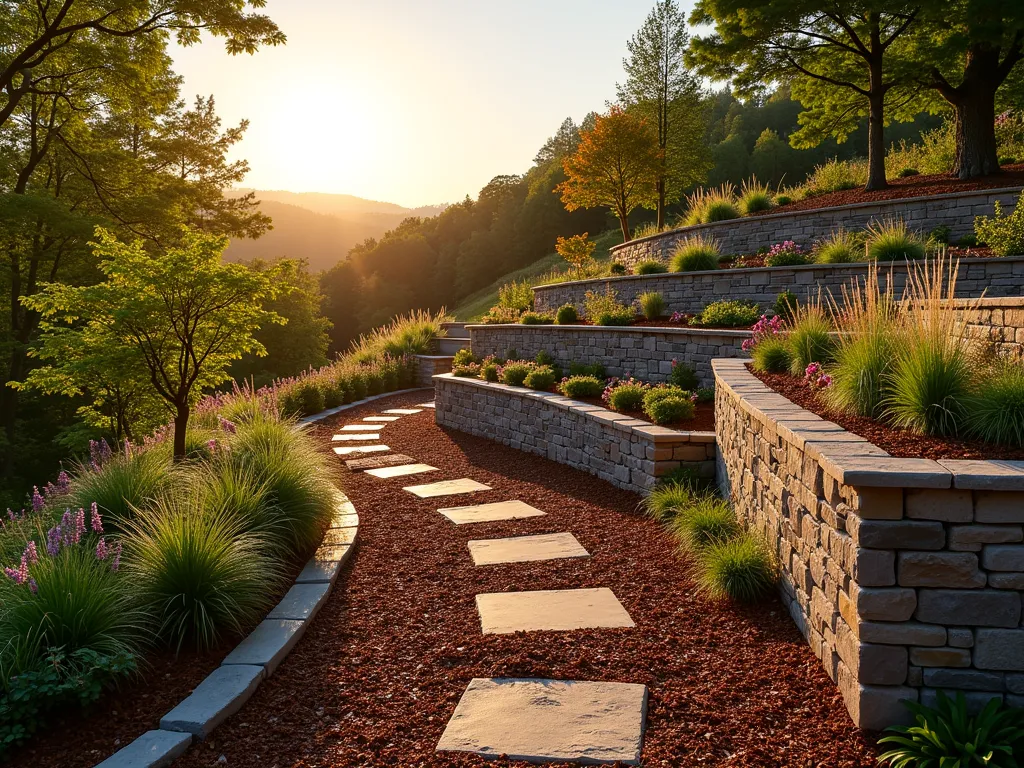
626 452
644 352
906 576
690 292
999 322
429 366
748 234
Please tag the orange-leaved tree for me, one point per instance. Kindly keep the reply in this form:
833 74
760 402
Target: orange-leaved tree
577 250
618 164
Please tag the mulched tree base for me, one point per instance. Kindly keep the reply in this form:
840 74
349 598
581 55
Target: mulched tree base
378 675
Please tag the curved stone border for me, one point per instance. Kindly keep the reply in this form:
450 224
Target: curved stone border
906 576
955 210
642 351
690 292
626 452
227 688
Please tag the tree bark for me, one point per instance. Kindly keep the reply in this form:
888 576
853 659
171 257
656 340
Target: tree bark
876 145
624 223
661 202
180 427
974 120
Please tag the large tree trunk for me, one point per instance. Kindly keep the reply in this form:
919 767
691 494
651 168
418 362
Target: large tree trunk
661 203
974 120
624 223
876 129
180 427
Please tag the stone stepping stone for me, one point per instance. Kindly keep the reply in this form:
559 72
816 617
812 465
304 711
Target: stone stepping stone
214 700
362 427
376 462
404 411
446 488
426 405
401 471
356 436
486 513
502 613
526 549
382 418
549 721
361 449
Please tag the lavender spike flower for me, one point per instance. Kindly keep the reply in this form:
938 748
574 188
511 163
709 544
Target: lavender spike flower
32 585
101 549
63 482
79 524
116 562
32 553
53 541
95 519
38 502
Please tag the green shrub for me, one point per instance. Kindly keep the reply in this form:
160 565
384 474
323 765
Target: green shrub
464 357
374 381
683 376
1007 160
652 304
489 371
501 316
627 396
617 269
566 315
940 235
783 199
605 308
200 574
836 175
694 254
772 355
754 198
582 386
650 267
536 318
995 410
541 378
667 500
667 405
358 382
786 304
623 316
905 172
809 338
543 357
57 681
515 373
892 240
468 371
740 569
840 247
949 736
125 482
516 296
709 205
587 369
1003 234
705 394
704 522
727 314
465 363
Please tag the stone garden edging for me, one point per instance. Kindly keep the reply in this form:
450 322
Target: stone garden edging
906 576
690 292
627 452
646 352
955 210
225 690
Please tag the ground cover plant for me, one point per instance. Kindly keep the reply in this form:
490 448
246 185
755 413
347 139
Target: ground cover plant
727 314
1004 234
785 254
606 309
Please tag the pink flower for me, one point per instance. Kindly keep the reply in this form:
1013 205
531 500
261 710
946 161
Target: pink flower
101 549
79 524
116 562
31 553
37 500
95 519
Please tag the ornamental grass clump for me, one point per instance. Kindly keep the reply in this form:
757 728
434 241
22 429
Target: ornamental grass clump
650 267
581 386
931 379
652 305
755 197
696 253
772 355
840 247
870 322
893 240
410 334
995 410
706 206
739 569
810 339
605 308
667 500
704 522
124 482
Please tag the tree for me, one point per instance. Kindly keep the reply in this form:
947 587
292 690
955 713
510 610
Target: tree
577 250
562 144
182 316
660 87
770 157
967 50
842 55
35 34
617 164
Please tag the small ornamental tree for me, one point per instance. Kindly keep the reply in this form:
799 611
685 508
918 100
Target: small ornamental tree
176 318
617 164
577 250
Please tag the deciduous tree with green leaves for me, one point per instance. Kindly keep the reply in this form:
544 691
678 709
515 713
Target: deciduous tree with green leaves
181 315
662 88
617 164
844 56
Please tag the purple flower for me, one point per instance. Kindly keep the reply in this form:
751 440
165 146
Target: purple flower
63 482
116 562
211 446
227 426
79 524
33 586
37 500
95 519
10 514
101 549
53 541
31 553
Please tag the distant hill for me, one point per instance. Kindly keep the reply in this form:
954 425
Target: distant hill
320 227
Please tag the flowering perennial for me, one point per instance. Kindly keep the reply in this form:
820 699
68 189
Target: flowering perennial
816 378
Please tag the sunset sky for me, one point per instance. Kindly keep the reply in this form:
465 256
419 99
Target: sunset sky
408 101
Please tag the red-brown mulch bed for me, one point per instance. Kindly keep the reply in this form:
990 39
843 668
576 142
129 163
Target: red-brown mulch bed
912 186
898 442
378 674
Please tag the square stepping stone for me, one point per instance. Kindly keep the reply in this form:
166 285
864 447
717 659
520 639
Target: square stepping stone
404 411
526 549
426 405
486 513
446 488
401 471
549 721
376 462
382 418
356 449
502 613
356 436
362 427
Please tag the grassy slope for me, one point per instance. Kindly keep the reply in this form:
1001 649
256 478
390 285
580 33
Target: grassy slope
478 304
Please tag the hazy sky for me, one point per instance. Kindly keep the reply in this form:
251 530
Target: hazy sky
410 101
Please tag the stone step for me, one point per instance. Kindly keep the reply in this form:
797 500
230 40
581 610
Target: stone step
526 549
376 462
350 436
404 411
401 470
362 427
360 449
486 513
549 721
503 613
446 488
451 345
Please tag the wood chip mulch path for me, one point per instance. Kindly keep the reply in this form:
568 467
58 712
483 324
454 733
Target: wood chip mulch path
378 675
